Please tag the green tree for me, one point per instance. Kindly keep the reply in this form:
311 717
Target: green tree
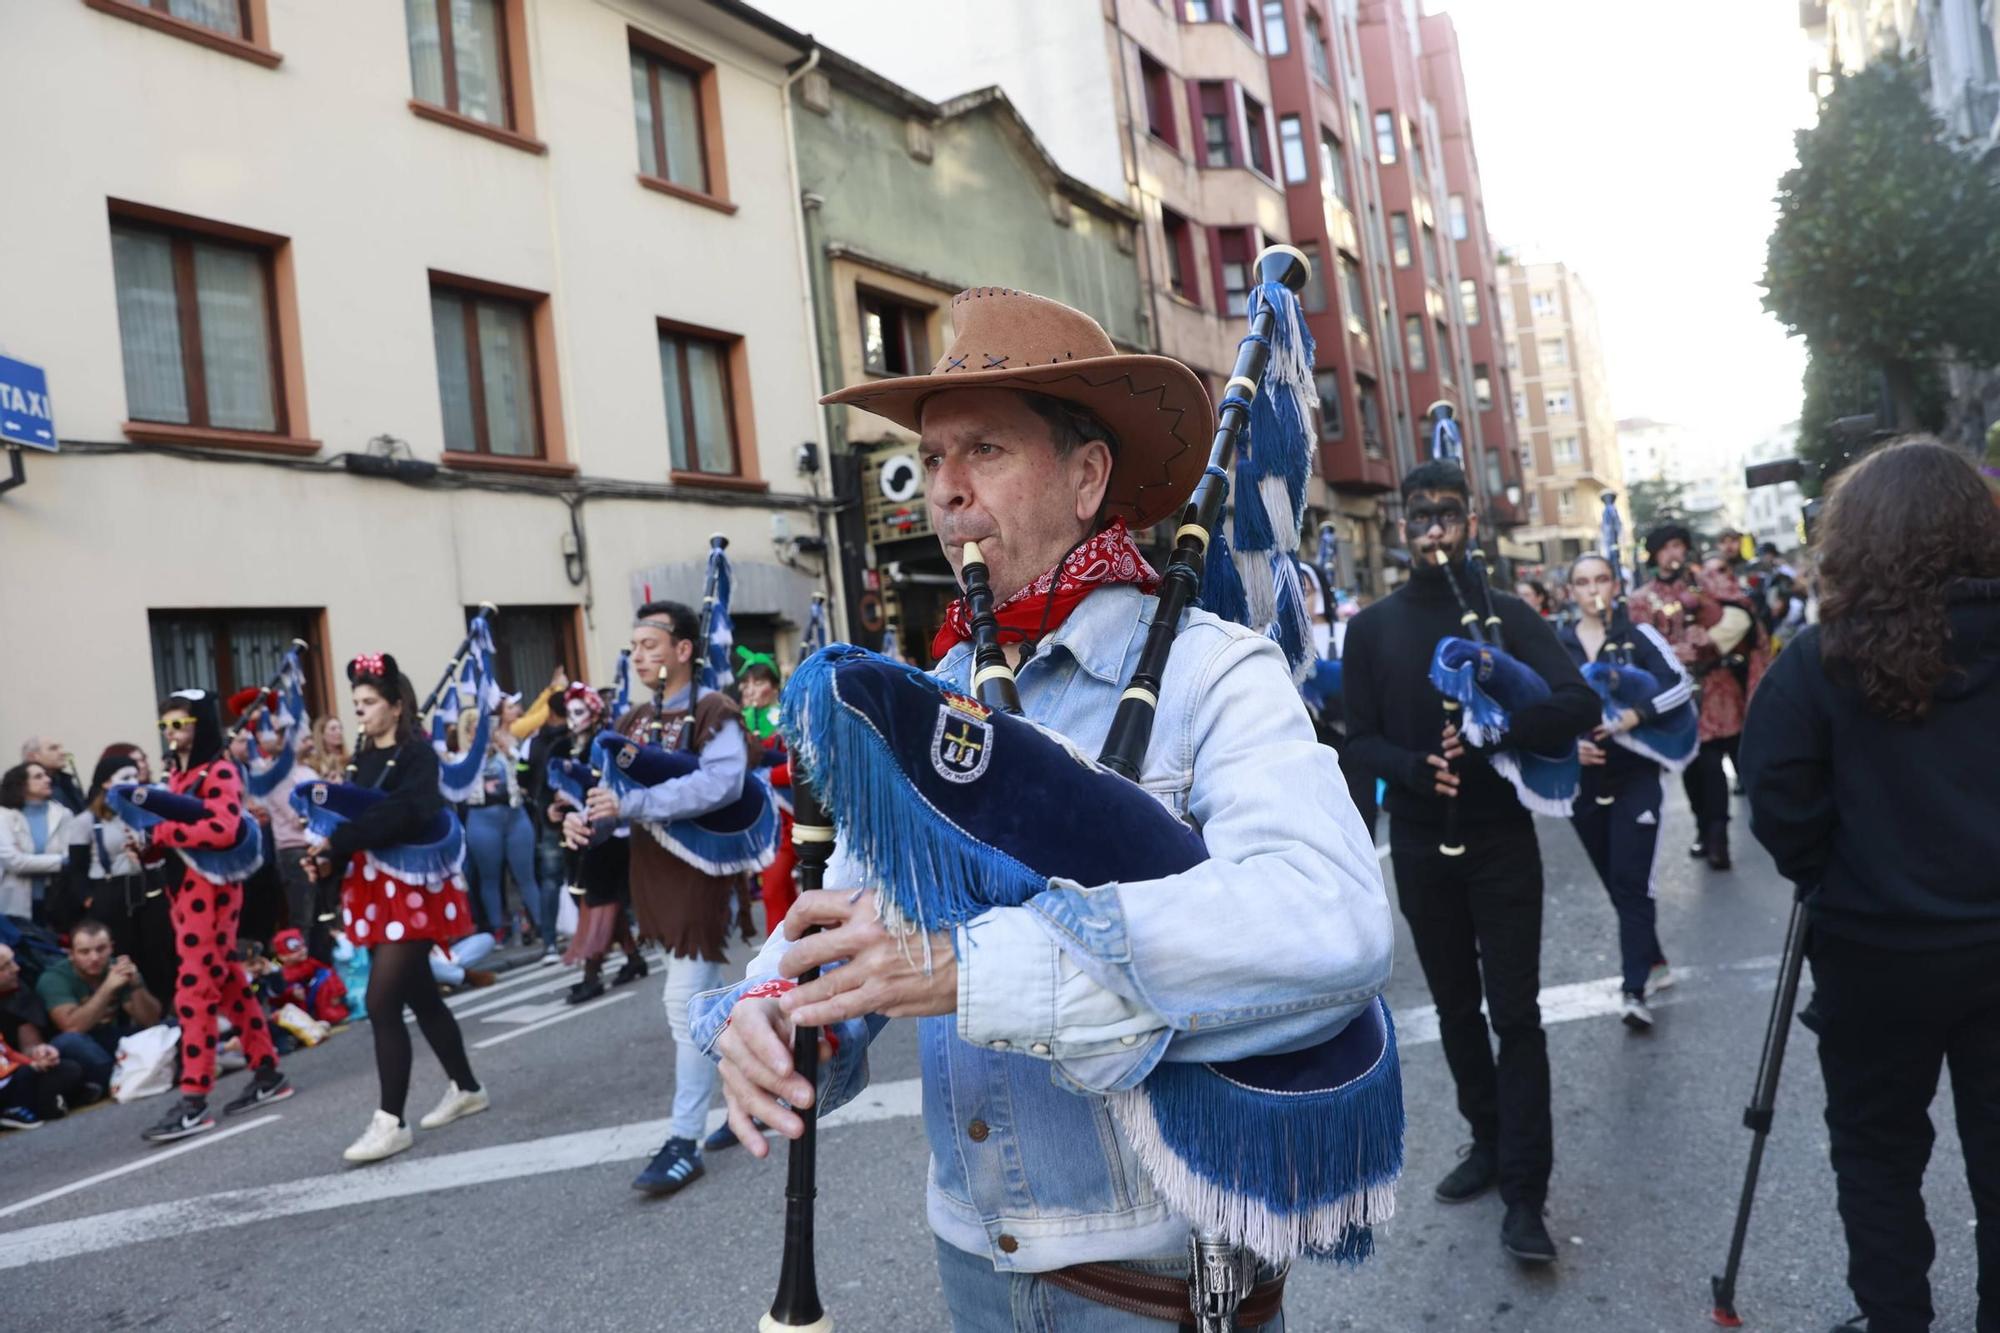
1886 255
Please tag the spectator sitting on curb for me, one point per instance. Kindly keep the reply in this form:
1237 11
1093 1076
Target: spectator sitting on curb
95 1000
454 966
299 978
24 1023
30 1089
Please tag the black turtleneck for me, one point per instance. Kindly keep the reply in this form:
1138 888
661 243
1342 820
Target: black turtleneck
1395 718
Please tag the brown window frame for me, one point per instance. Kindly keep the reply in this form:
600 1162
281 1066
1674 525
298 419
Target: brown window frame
1158 83
708 122
913 320
310 623
470 292
736 403
281 308
1178 239
518 131
253 45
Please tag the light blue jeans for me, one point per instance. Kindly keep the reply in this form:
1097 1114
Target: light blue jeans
465 953
696 1077
984 1300
501 835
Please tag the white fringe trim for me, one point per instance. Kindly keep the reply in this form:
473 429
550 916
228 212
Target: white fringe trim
1510 768
720 869
1277 1237
1645 751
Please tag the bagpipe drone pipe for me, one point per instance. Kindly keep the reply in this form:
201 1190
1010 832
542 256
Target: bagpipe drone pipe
739 836
1669 740
435 854
951 806
147 807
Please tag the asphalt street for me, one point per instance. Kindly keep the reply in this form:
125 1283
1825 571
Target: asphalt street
523 1219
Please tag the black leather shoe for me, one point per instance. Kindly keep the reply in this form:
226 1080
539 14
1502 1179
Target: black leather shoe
1471 1177
1718 856
583 992
1523 1235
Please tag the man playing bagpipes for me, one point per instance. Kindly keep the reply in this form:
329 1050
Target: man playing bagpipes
1474 898
1648 725
680 898
1708 620
1039 1022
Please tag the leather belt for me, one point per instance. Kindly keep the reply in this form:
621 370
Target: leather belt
1158 1297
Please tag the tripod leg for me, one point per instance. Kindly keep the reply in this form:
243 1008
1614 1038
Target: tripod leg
1757 1116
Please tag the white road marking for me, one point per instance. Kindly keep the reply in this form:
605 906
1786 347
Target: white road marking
138 1164
393 1180
595 1006
1416 1026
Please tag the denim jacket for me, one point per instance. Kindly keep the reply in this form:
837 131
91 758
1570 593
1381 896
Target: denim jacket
1270 945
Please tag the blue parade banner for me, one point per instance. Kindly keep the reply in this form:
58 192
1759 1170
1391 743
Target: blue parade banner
25 415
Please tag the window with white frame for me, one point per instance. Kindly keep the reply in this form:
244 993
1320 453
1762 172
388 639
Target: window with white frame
1558 403
1565 450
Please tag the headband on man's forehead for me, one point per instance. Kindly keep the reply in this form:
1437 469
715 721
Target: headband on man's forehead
649 623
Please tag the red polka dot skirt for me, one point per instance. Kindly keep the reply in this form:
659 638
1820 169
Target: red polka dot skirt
378 908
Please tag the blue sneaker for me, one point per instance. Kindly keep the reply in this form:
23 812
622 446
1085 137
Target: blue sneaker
20 1117
676 1166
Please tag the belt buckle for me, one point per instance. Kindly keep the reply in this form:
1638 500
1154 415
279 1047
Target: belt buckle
1220 1275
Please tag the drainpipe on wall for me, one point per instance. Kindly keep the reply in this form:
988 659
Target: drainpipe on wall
808 305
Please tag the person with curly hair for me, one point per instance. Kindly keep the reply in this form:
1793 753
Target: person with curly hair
1868 761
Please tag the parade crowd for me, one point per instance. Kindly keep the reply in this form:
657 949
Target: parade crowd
1855 703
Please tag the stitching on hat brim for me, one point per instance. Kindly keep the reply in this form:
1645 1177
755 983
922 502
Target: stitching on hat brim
899 401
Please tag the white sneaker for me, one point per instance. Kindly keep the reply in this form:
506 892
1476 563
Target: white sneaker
1632 1009
1659 979
550 957
385 1137
455 1105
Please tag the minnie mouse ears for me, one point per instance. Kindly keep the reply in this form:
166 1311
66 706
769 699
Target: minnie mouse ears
372 667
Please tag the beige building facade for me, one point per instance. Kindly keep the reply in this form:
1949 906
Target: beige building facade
1562 411
345 337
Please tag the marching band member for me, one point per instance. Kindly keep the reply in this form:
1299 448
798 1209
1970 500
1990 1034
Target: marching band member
1478 913
602 871
398 911
683 906
1708 621
1617 813
1044 445
205 915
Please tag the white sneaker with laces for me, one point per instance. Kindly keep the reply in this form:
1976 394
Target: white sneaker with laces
1659 979
456 1104
385 1137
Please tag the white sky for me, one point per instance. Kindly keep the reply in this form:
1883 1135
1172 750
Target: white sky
1642 145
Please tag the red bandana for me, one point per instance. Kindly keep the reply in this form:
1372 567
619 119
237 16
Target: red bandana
1110 557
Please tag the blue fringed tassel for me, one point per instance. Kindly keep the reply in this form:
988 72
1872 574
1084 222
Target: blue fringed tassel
936 875
1222 591
1291 624
1485 722
1286 1174
458 779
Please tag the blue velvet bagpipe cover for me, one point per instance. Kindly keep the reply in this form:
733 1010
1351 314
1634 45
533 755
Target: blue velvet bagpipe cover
1490 686
1671 739
731 839
147 807
951 809
435 855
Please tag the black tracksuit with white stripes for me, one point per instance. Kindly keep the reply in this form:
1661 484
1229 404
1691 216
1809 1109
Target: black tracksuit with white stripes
1617 810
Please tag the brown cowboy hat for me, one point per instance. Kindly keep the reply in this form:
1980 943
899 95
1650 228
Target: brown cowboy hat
1154 406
